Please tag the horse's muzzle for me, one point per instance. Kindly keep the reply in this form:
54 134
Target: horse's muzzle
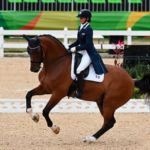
35 69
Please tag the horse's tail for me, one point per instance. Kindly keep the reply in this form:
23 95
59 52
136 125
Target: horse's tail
144 87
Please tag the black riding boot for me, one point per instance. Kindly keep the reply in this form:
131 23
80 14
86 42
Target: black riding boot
80 83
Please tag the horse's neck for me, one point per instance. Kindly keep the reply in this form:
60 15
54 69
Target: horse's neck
59 68
54 50
55 60
55 55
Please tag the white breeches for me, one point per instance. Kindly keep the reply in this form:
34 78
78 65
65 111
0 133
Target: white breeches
85 61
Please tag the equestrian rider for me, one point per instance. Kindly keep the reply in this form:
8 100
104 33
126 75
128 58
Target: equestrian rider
84 45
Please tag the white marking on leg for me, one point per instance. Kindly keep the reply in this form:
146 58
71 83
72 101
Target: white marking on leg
89 139
30 112
54 127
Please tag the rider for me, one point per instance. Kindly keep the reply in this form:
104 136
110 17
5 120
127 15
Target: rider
84 45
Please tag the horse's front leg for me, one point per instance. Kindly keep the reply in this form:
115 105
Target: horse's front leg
55 98
37 91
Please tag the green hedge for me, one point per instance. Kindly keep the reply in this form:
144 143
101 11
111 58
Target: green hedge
137 72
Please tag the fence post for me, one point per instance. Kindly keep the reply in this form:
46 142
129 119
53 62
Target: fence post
129 42
129 5
1 42
15 5
65 36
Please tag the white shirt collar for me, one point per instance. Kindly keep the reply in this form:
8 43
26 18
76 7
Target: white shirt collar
82 25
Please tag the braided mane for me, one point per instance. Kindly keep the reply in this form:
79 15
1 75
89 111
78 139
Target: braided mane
50 36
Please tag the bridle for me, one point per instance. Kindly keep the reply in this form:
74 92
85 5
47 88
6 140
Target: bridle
36 44
34 49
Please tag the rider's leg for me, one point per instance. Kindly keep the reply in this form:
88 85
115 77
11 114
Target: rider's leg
85 61
83 65
80 84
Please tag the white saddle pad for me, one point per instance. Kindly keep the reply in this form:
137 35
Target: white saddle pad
92 76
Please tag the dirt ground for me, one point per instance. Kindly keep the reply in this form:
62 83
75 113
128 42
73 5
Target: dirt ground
19 132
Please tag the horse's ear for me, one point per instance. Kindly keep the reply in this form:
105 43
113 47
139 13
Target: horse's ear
27 38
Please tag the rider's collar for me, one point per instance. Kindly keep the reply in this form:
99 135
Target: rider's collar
83 25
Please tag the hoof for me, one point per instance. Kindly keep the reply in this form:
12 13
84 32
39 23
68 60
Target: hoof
89 140
55 129
36 117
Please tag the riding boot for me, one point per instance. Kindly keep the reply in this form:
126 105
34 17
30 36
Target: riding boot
80 83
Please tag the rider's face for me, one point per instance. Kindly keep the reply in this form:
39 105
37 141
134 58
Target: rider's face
83 20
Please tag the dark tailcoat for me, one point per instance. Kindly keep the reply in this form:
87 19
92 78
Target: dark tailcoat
85 42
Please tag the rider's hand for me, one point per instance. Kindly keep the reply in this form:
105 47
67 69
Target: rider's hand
73 49
68 48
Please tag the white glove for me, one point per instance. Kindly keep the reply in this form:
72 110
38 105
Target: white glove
67 47
73 49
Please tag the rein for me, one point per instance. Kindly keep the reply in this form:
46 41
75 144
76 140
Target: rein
54 59
48 61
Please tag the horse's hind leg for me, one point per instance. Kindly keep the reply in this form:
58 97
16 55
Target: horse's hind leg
37 91
109 121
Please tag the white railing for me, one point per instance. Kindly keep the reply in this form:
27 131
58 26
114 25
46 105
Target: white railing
69 106
66 35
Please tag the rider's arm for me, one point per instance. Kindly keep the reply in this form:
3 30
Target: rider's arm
89 41
76 43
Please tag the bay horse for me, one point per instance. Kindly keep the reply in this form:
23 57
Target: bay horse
55 78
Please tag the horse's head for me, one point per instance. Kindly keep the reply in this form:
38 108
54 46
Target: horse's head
35 51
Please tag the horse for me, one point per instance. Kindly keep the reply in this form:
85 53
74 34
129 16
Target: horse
55 79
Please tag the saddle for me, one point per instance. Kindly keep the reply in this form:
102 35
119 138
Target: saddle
78 58
89 73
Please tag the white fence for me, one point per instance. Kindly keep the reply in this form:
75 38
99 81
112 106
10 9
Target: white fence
69 106
66 35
